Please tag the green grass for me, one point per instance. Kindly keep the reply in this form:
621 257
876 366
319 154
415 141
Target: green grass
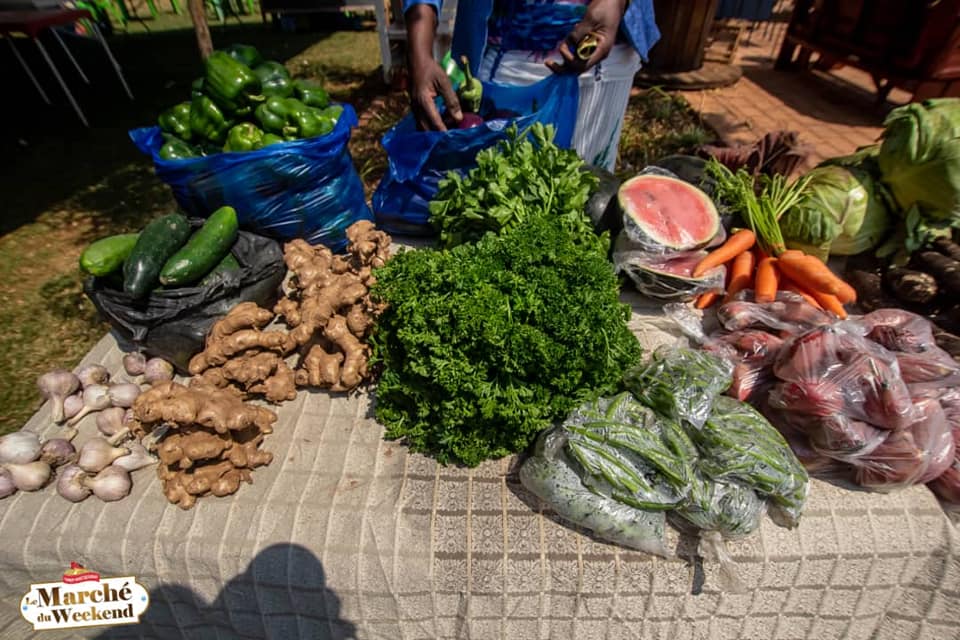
65 186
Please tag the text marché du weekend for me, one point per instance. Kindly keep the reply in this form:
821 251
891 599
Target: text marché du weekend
63 606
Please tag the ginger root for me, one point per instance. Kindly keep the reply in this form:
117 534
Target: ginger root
328 315
212 441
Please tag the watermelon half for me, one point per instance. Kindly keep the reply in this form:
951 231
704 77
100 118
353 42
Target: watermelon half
662 213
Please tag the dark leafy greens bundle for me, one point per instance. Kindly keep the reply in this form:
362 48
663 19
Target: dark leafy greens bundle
523 177
484 345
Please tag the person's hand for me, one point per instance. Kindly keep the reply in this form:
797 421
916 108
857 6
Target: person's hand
427 81
601 22
427 78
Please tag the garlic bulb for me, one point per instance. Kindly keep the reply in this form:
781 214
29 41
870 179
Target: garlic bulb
70 483
93 374
72 405
19 447
30 476
138 458
96 397
111 484
157 370
97 454
55 386
133 363
7 488
57 452
123 395
110 421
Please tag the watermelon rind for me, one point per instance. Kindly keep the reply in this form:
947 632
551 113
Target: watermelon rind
645 233
665 277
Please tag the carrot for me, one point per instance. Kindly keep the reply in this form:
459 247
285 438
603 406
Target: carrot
736 244
791 252
705 300
768 280
786 284
808 271
830 303
741 274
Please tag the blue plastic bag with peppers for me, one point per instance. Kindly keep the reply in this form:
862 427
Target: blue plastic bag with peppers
306 188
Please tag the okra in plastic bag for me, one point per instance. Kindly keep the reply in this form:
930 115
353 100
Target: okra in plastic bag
550 475
680 383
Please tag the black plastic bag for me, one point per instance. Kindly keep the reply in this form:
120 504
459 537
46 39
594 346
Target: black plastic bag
172 324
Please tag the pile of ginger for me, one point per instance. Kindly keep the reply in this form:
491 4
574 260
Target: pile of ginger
211 442
328 315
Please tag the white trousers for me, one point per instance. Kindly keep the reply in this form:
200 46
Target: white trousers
604 92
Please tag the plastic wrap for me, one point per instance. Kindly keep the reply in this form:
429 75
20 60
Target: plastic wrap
730 508
947 484
789 312
834 369
305 188
624 451
910 456
173 323
549 475
419 160
665 276
680 383
738 444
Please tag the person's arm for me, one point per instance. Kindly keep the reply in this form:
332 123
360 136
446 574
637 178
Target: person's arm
427 78
602 19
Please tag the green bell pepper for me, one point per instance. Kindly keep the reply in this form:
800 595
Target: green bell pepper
243 137
272 115
303 121
268 139
311 94
274 79
231 84
196 88
471 91
207 121
176 120
245 53
331 114
175 149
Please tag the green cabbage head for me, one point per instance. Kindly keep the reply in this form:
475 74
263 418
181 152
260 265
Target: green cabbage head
842 211
920 157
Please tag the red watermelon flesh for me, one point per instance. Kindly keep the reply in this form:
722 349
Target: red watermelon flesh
664 213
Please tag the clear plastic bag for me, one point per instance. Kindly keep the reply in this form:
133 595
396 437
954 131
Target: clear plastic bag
738 444
624 451
549 475
665 276
789 312
909 456
835 369
680 383
947 484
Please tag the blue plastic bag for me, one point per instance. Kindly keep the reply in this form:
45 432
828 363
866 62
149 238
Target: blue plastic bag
299 189
419 160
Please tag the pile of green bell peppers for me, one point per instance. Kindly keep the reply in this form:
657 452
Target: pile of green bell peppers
243 103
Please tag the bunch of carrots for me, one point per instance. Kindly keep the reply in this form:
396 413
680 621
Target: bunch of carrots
749 267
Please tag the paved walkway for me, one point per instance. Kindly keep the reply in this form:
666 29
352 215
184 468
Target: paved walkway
834 112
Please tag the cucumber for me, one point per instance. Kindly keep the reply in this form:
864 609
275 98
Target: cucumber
229 263
106 255
159 240
205 248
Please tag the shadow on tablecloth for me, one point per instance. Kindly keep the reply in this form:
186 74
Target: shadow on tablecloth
282 594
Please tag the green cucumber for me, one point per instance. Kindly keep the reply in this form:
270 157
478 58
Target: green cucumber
205 248
106 255
229 263
159 240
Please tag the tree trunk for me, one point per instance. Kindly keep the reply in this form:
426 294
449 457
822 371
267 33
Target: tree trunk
199 16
